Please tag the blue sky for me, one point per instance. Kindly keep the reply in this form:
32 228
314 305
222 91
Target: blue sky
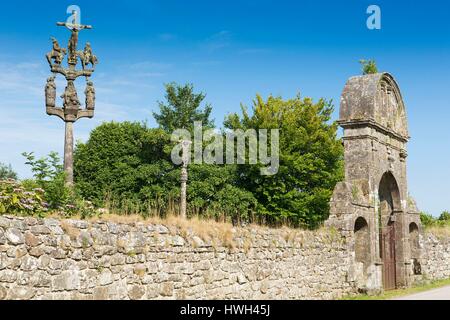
231 50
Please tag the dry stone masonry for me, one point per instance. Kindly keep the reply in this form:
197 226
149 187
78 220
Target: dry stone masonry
51 259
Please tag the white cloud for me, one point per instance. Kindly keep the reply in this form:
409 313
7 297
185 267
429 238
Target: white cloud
166 36
217 41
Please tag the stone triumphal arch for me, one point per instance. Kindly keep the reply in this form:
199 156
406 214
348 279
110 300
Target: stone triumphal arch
371 207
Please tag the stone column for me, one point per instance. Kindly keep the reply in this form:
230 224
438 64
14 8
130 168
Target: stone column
183 191
186 156
68 153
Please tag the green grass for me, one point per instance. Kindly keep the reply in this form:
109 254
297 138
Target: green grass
402 292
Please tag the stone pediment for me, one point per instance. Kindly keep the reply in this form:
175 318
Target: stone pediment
374 99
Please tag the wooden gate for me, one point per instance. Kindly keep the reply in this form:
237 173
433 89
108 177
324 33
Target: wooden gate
387 244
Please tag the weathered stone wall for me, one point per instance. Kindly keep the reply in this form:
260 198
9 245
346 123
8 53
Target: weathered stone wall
51 259
435 257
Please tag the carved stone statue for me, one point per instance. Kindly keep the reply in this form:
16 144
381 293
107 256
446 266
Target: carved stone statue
90 96
73 42
50 93
72 46
70 97
57 54
87 57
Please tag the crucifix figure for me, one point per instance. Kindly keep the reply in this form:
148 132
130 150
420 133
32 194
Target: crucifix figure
73 42
71 110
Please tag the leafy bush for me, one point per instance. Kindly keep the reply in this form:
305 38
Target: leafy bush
17 198
311 160
6 172
49 177
238 204
427 219
368 66
445 216
430 221
76 206
122 161
127 168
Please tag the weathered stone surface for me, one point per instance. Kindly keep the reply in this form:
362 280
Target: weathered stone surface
40 230
14 236
166 289
198 242
302 265
31 240
3 292
140 270
105 278
161 229
21 293
136 292
67 280
58 253
4 222
2 236
178 241
54 226
29 263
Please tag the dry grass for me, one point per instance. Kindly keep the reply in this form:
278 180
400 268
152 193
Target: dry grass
122 219
247 245
210 231
439 231
213 233
207 230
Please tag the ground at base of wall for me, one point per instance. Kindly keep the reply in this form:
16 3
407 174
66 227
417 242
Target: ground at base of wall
429 285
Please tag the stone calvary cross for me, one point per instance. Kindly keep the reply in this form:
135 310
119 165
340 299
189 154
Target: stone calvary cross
71 110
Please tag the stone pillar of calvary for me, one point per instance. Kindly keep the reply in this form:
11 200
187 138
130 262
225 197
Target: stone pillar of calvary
71 110
185 144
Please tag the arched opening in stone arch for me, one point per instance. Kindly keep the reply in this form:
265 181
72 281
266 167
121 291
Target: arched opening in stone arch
414 247
362 241
389 205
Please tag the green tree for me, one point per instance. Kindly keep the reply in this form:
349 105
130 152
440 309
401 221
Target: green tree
7 172
208 185
181 108
368 66
311 159
49 175
129 166
123 161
